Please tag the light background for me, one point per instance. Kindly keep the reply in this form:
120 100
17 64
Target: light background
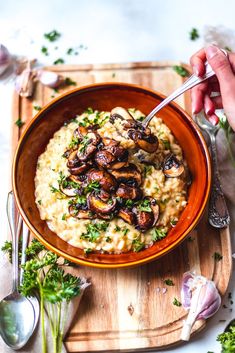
113 31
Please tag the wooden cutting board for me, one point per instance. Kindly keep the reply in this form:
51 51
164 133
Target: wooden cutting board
132 309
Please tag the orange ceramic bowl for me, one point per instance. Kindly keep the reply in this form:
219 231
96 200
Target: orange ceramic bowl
104 97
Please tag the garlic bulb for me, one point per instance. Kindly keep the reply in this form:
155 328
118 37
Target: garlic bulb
50 79
201 297
5 59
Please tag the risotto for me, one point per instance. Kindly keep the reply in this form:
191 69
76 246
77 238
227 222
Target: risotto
102 185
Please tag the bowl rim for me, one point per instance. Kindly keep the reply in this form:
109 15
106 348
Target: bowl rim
94 264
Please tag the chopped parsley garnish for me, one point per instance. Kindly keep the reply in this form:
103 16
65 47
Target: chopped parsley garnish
58 61
37 107
83 144
78 200
87 251
173 222
148 170
129 203
19 123
39 202
144 205
217 256
108 239
57 191
176 302
69 82
125 230
89 110
70 51
7 248
52 36
44 50
166 144
193 34
158 234
169 282
137 245
92 186
63 217
75 141
94 230
180 70
113 74
117 229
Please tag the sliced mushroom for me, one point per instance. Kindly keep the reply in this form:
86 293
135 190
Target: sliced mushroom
127 215
81 214
128 192
155 208
107 217
147 142
80 132
128 175
95 204
106 180
121 156
121 113
144 219
104 158
108 142
172 167
85 152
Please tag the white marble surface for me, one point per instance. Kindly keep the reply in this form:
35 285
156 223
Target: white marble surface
113 31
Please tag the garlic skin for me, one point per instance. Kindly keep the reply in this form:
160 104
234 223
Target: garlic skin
201 297
5 59
24 83
50 78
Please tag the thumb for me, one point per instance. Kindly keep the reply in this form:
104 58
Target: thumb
221 66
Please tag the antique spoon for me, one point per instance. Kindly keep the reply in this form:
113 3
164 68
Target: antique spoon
218 213
17 315
192 81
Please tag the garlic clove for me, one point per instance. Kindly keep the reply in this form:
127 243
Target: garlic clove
5 59
201 297
50 78
24 83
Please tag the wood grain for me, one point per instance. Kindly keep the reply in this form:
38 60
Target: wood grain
131 309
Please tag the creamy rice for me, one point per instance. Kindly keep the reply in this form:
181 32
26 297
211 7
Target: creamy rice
116 236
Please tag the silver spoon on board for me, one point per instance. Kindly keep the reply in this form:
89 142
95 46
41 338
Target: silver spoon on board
17 315
192 81
218 214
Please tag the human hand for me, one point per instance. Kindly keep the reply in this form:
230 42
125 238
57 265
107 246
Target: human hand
223 82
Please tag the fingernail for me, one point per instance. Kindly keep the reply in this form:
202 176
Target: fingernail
213 119
210 111
211 51
195 70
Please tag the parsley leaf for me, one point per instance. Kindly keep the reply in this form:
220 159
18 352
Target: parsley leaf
180 70
58 61
144 205
217 257
19 122
158 234
193 34
176 302
137 245
52 36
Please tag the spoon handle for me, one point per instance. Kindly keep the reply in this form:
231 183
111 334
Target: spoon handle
218 213
25 240
15 233
192 81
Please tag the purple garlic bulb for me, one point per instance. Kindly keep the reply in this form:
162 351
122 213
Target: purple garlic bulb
201 297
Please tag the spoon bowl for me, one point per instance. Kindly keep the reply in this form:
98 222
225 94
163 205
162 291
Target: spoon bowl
17 320
17 314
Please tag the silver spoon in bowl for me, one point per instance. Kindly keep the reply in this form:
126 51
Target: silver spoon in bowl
192 81
17 315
